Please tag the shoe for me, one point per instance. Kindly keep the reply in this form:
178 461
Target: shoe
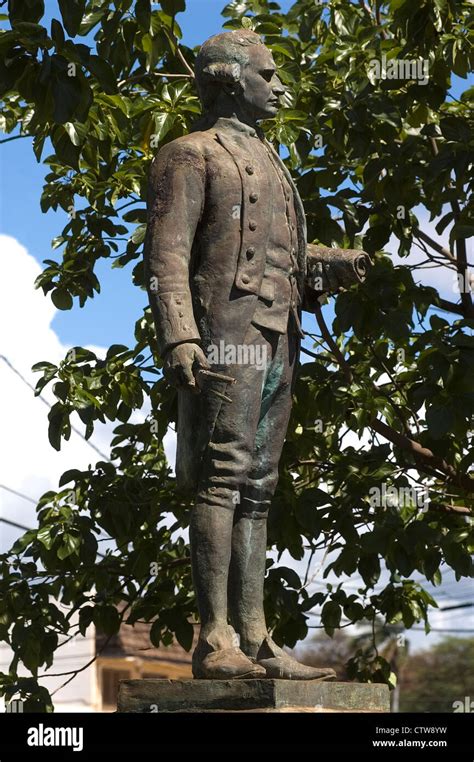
279 665
226 664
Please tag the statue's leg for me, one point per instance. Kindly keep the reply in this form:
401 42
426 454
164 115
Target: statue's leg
217 654
247 573
210 539
249 540
225 465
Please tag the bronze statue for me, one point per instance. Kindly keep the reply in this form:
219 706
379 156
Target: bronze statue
227 273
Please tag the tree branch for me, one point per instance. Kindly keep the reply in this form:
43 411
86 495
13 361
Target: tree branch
15 137
451 306
138 77
418 233
447 508
461 253
332 344
178 51
419 452
308 352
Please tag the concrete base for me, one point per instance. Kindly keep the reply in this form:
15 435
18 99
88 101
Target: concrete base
151 696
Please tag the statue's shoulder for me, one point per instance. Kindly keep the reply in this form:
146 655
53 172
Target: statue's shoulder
197 143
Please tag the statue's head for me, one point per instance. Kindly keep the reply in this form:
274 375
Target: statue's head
238 66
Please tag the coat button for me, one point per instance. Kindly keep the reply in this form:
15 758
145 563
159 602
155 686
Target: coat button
253 198
245 279
252 225
249 169
250 252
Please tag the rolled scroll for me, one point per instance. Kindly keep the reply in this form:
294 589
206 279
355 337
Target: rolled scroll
329 269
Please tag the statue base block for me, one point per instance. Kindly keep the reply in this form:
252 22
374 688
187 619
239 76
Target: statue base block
154 695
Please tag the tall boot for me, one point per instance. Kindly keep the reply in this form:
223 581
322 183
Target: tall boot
246 577
217 655
246 580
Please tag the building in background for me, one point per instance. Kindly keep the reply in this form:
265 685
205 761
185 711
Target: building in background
130 655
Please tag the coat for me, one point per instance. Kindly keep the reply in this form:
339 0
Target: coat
205 246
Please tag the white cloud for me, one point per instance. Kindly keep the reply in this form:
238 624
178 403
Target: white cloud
28 463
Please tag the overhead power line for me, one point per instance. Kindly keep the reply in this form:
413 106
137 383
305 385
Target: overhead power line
45 402
440 629
14 524
18 494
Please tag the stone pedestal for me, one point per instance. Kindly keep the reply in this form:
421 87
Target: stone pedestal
152 696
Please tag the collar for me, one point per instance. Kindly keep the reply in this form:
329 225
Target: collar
232 124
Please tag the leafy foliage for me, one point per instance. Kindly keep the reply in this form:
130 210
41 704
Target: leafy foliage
439 680
99 91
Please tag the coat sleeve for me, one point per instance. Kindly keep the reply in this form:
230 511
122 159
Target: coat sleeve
174 207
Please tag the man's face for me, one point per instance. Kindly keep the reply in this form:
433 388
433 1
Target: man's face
261 85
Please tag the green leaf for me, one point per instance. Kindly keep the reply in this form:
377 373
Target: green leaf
72 12
135 215
57 33
163 122
70 544
440 420
331 616
369 568
77 132
62 299
185 634
56 423
67 95
431 563
31 11
73 474
138 235
44 536
91 19
171 7
156 634
290 576
143 14
105 74
86 617
106 619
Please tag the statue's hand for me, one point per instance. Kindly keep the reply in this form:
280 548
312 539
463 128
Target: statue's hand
182 364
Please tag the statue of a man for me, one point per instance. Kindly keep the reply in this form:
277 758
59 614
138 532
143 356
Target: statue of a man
226 261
